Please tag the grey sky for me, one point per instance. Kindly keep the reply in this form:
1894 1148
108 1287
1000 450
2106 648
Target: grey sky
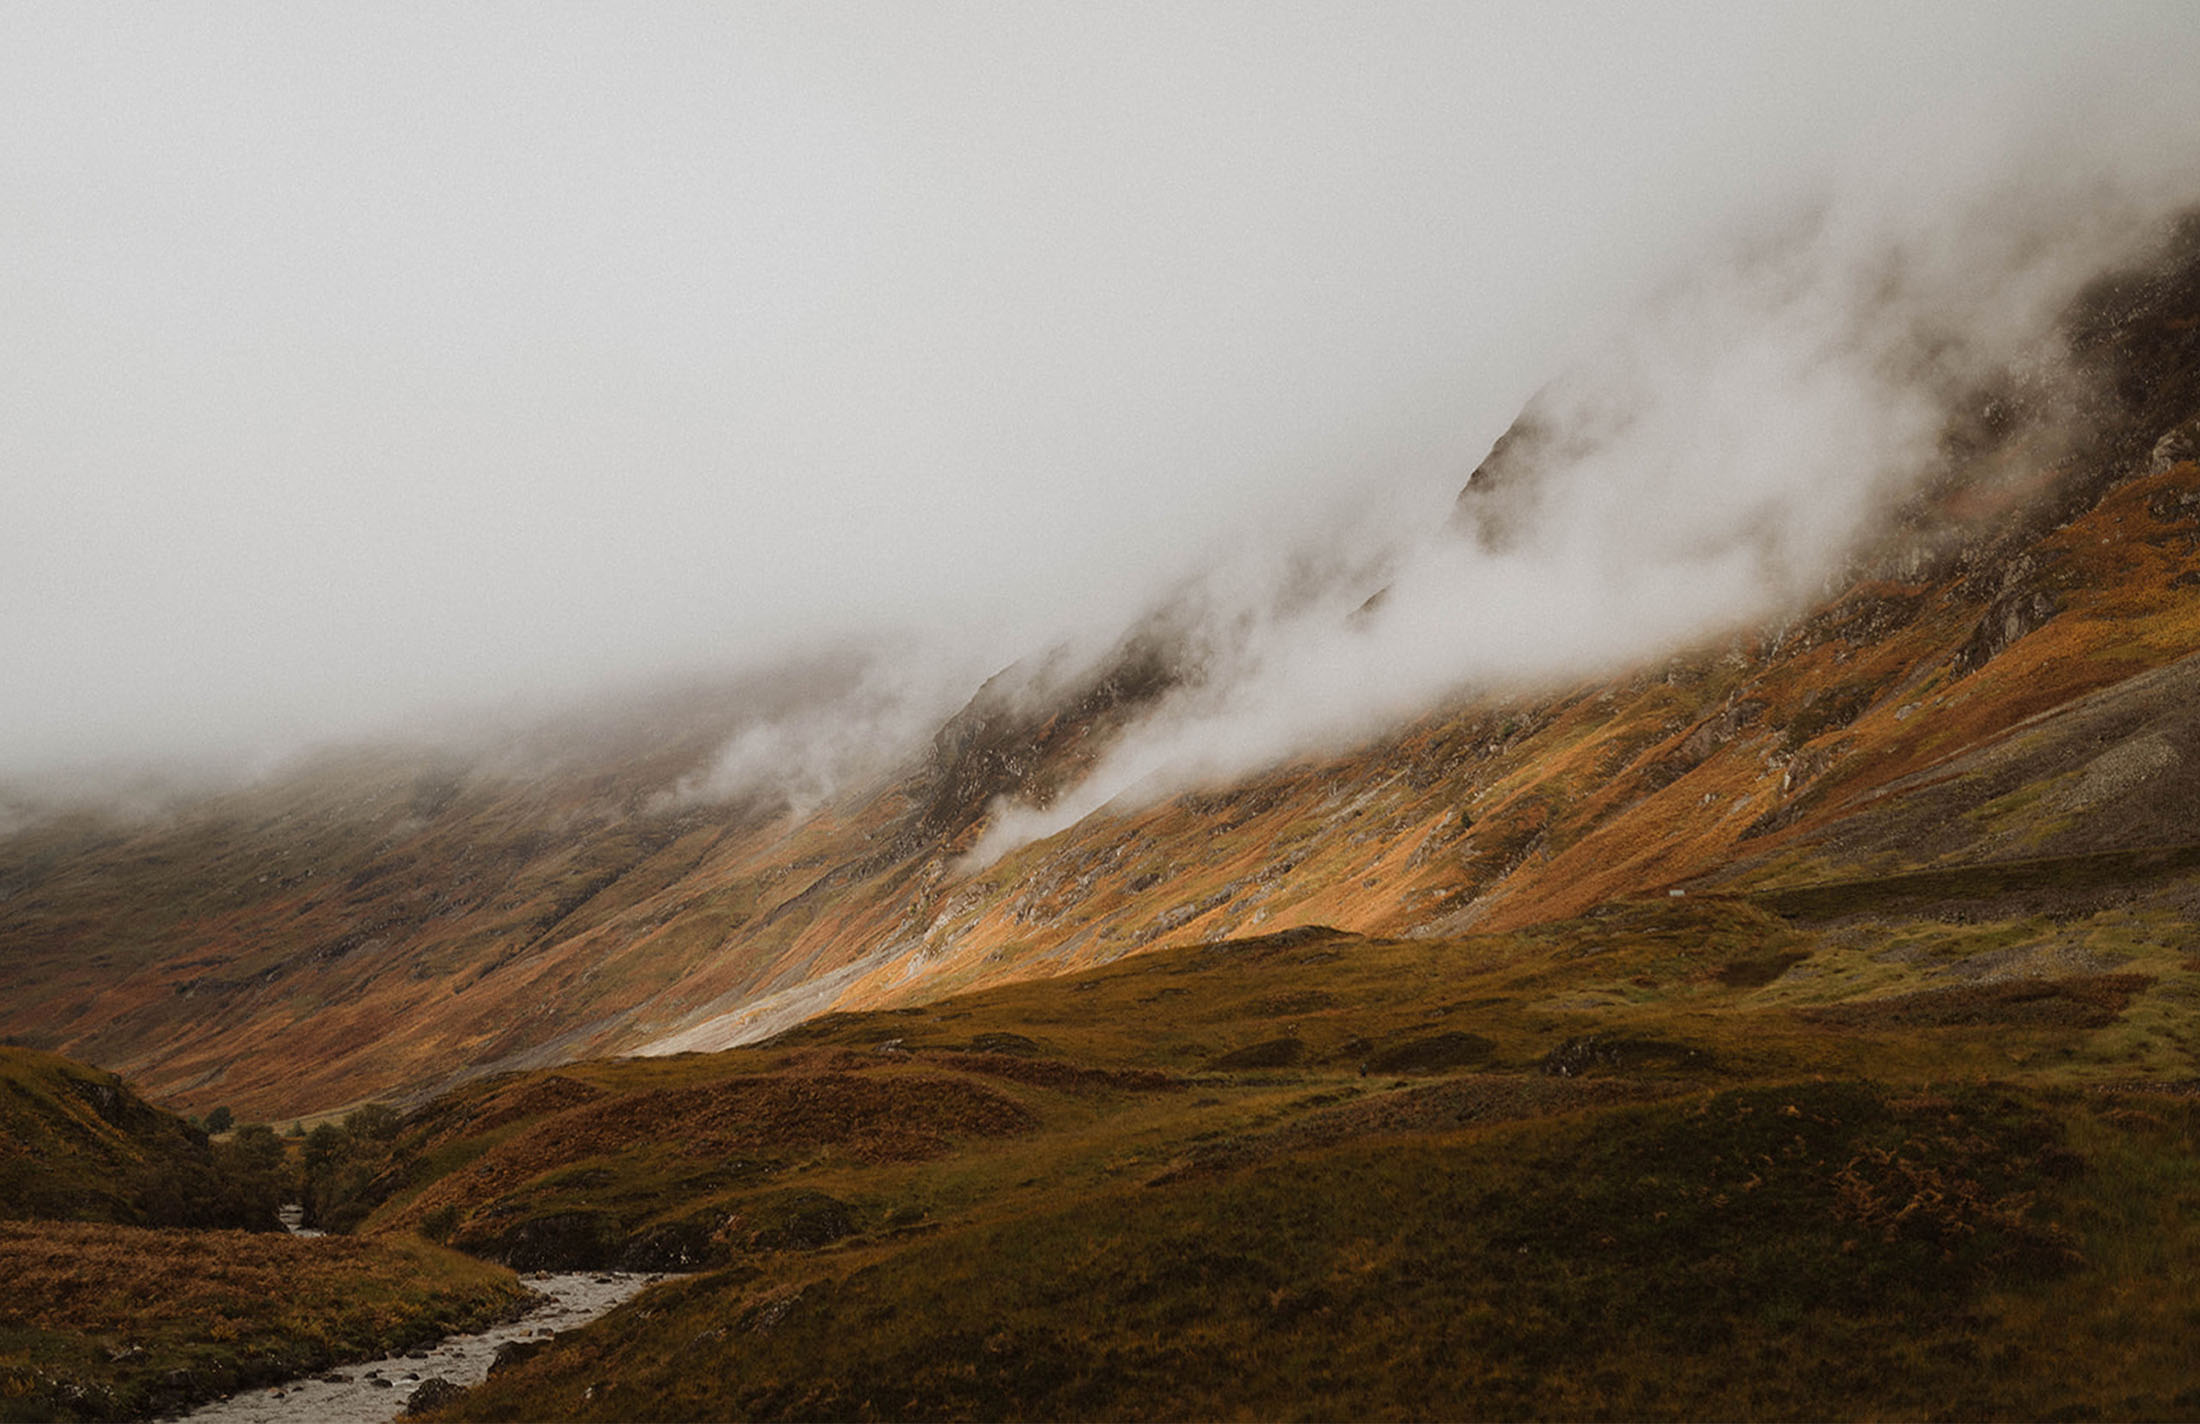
365 359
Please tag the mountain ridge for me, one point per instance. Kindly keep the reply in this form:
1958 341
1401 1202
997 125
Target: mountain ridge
384 923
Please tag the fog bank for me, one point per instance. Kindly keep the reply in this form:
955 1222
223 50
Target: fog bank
365 365
1716 461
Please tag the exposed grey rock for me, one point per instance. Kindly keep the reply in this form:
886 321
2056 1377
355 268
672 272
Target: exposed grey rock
2120 771
2176 447
432 1394
2014 614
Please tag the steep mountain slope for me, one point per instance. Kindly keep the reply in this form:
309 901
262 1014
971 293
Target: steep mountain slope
2000 679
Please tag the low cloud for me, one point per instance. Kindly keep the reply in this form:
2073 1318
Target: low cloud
1713 462
368 366
874 721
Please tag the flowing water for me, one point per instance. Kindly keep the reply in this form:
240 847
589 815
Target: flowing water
376 1391
293 1217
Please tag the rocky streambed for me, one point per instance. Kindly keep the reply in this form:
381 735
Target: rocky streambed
379 1390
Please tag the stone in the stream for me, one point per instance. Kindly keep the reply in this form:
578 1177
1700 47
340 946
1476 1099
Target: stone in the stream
333 1377
432 1393
380 1383
416 1354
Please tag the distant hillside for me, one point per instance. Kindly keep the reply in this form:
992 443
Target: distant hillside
2005 677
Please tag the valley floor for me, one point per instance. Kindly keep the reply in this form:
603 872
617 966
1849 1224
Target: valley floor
1925 1145
1672 1160
366 1392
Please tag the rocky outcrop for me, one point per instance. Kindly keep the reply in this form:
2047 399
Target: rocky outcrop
2014 614
1026 734
1703 739
2174 449
1499 500
432 1394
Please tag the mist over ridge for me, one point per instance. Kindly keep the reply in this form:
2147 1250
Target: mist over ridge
1718 463
596 355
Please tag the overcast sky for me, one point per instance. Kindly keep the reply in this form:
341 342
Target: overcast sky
364 360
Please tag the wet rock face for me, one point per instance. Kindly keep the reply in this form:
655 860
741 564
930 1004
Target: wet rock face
432 1394
676 1246
1011 738
2023 600
105 1098
595 1241
2014 614
117 1105
573 1240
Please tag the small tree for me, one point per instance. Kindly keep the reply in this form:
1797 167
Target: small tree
257 1143
220 1120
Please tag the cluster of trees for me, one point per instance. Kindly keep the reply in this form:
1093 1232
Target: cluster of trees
341 1163
243 1180
238 1183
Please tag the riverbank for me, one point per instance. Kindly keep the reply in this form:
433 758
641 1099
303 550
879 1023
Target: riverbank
379 1390
117 1322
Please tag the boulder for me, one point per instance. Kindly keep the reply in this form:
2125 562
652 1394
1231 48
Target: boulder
432 1394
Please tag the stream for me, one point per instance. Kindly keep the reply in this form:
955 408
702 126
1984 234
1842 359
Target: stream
377 1390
